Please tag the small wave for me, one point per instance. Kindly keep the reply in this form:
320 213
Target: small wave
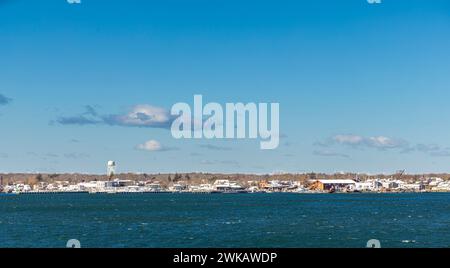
232 222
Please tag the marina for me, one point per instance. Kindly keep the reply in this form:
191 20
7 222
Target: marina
118 186
183 184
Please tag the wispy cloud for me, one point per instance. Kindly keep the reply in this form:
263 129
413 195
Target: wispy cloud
138 116
322 144
442 153
69 155
4 100
352 140
215 147
378 142
90 110
229 162
76 155
80 120
88 117
220 162
330 153
434 150
382 143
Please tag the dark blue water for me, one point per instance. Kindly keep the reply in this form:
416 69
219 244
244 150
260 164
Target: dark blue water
225 220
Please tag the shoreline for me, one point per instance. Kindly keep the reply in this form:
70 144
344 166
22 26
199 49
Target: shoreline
213 193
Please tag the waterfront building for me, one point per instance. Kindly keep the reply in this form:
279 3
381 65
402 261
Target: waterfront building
365 186
179 187
122 183
327 185
227 186
154 187
203 188
414 187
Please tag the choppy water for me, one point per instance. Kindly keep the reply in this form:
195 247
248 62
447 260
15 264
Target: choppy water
225 220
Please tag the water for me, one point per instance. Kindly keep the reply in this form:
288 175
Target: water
225 220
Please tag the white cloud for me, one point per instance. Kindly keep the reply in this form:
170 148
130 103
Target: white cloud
348 139
154 146
380 142
151 145
142 116
330 153
383 142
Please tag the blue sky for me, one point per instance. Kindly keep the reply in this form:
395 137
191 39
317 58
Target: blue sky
361 87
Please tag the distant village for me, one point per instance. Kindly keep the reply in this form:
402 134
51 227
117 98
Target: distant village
219 183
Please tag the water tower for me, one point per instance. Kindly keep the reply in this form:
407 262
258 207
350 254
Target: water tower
111 169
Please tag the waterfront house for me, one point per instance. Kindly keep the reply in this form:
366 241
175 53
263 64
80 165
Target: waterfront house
179 187
123 183
227 186
202 188
365 186
414 187
154 187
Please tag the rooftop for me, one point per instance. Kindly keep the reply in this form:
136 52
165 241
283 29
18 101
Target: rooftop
337 181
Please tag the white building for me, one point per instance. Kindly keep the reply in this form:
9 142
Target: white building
365 186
